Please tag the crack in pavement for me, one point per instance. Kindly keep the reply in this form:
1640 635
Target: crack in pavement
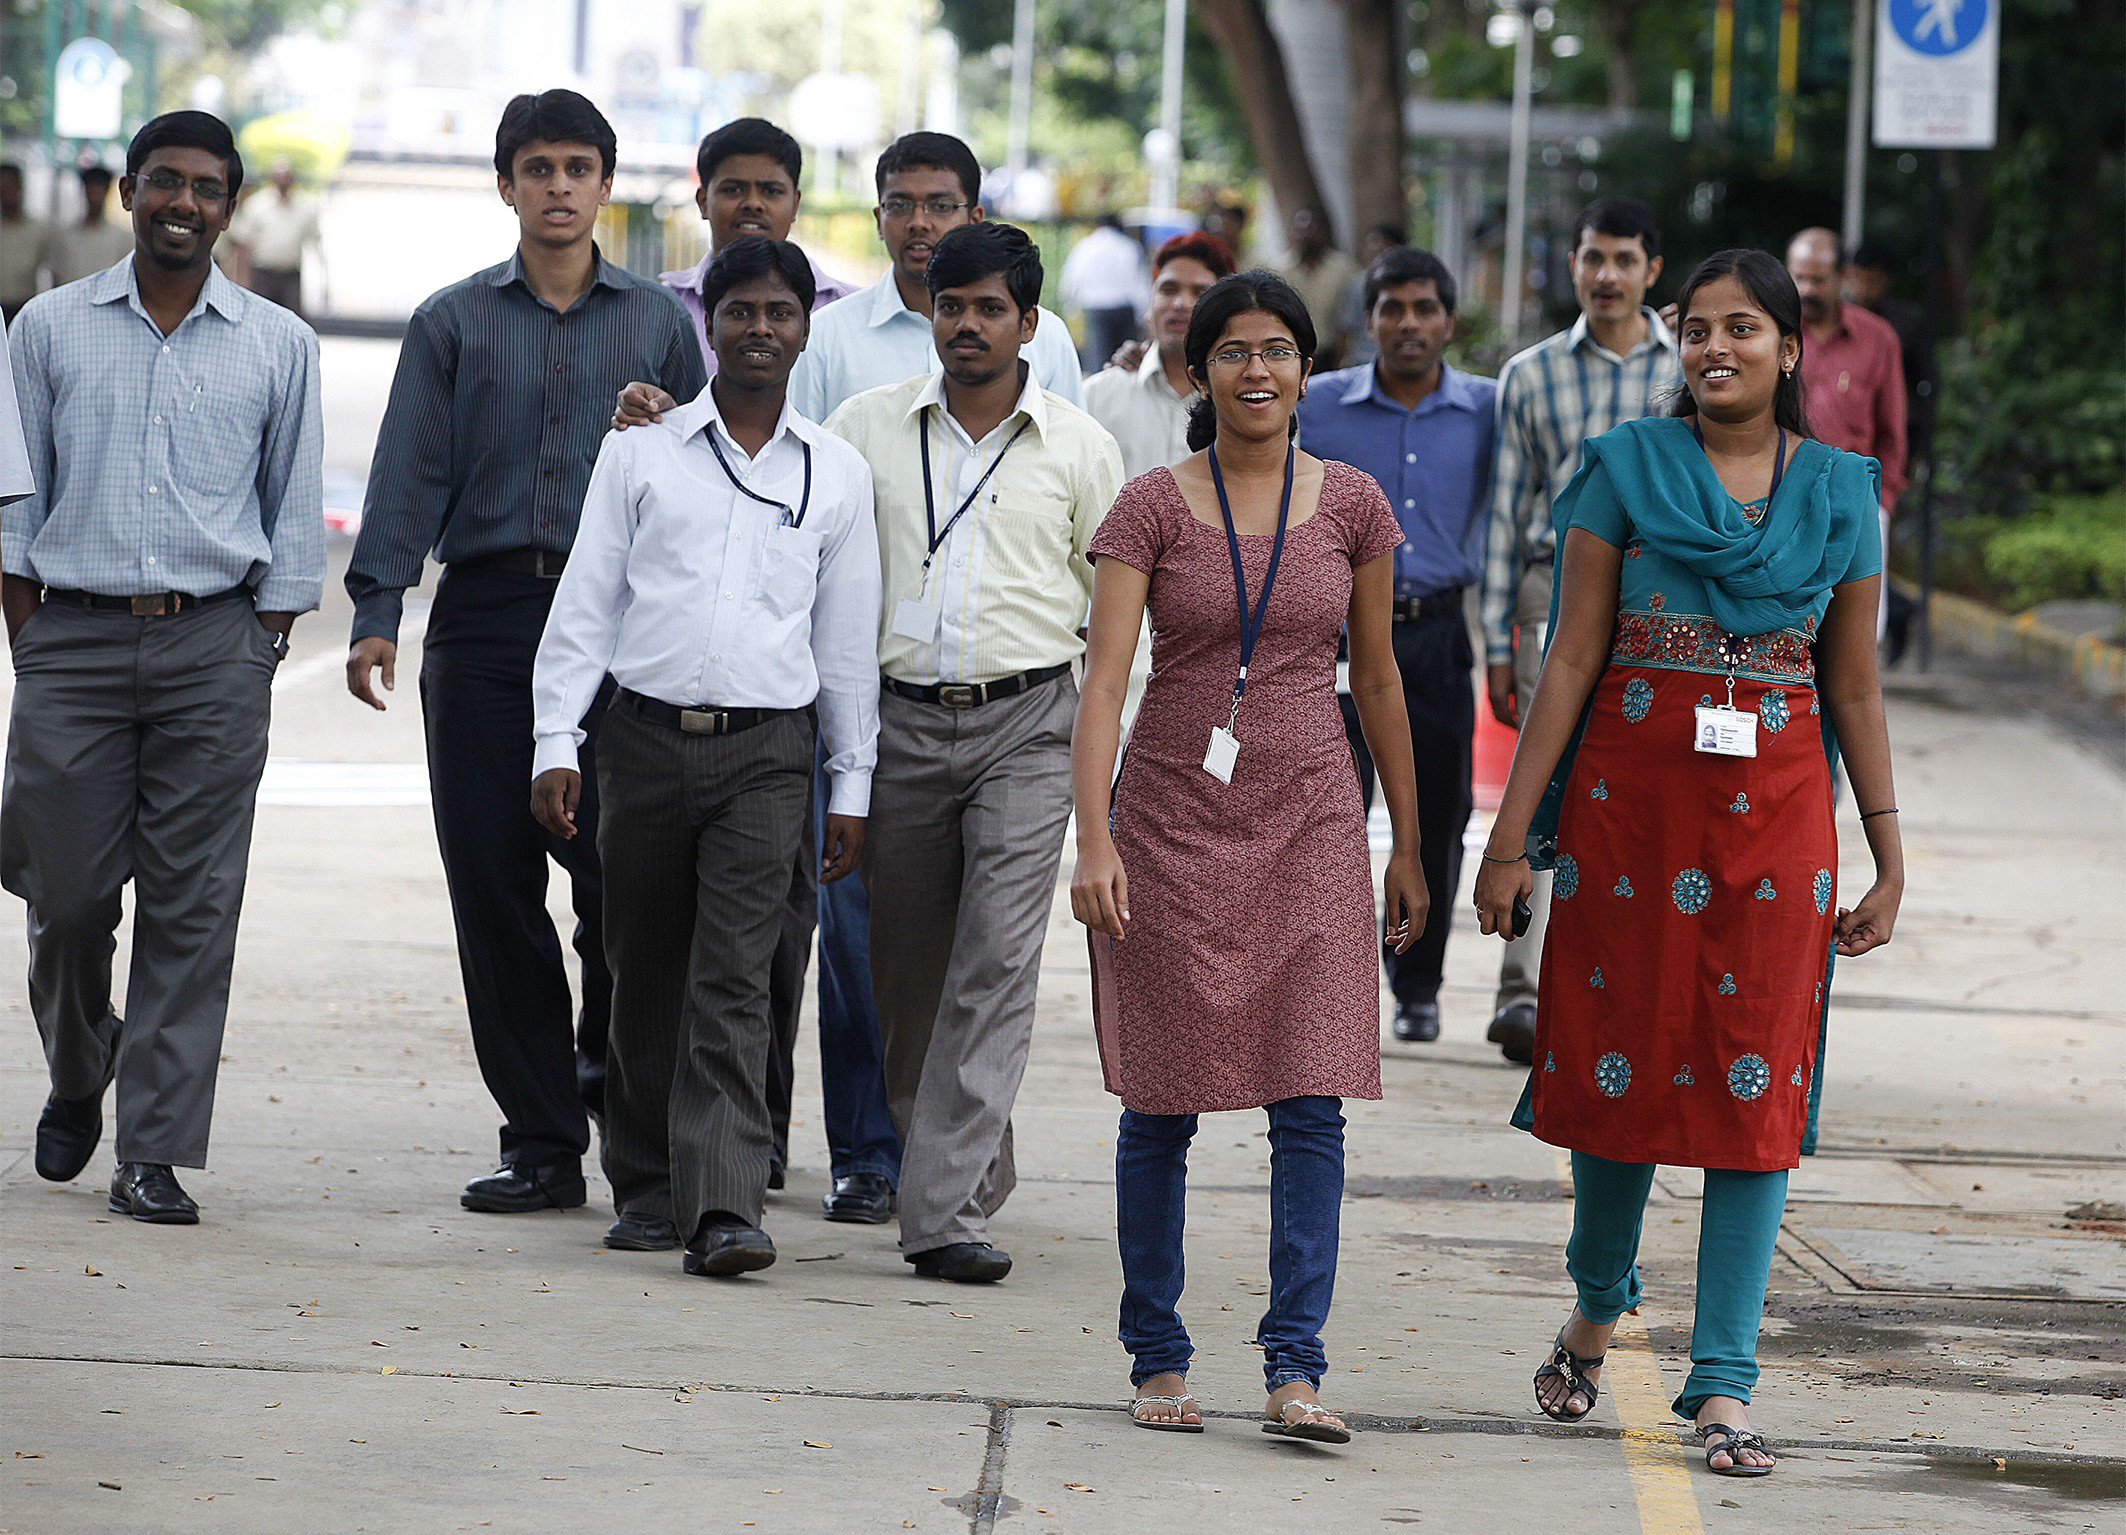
989 1493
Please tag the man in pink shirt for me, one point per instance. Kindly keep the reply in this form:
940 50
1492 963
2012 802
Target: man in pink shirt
749 171
1852 365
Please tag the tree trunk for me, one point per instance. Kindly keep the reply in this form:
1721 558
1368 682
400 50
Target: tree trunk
1243 32
1376 123
1612 22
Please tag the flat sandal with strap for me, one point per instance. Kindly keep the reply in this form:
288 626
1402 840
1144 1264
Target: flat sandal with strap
1721 1439
1177 1424
1572 1369
1314 1422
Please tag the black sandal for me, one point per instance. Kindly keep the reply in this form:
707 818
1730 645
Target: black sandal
1572 1369
1731 1442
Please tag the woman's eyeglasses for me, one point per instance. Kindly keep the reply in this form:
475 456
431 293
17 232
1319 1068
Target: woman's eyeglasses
1272 357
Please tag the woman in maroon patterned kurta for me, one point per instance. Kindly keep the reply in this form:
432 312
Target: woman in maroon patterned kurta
1231 914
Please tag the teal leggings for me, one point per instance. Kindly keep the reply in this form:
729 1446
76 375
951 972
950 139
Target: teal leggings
1738 1225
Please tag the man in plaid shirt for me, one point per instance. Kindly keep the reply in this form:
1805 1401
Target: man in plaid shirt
1616 363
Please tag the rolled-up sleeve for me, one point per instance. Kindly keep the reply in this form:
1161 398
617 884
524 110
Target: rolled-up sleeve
28 504
292 489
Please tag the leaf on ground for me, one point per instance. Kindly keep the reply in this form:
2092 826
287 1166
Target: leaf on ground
639 1450
112 1485
39 1455
819 1444
91 1271
522 1412
1078 1487
389 1369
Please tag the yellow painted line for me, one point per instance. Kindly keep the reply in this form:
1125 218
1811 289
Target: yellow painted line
1660 1477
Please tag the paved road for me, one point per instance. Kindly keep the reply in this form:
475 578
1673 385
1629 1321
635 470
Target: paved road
340 1347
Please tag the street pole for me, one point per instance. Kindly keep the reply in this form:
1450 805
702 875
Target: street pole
1517 174
1021 86
1166 171
829 174
1856 124
1926 489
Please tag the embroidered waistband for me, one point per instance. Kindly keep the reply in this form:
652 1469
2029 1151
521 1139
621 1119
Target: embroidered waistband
1688 642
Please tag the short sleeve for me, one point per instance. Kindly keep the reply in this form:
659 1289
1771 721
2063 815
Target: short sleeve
1590 501
1371 530
1856 493
1137 529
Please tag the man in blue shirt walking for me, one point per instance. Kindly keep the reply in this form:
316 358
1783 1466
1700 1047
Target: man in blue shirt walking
1424 431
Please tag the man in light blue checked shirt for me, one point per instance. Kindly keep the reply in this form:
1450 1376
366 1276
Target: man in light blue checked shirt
176 530
1616 363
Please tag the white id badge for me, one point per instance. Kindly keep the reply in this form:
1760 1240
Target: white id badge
1224 751
1726 732
918 621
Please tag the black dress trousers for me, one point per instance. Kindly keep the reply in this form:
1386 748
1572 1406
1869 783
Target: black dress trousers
1439 690
542 1059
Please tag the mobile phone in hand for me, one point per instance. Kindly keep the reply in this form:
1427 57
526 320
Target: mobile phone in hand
1522 916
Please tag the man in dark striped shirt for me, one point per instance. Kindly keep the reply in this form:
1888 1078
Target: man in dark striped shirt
504 388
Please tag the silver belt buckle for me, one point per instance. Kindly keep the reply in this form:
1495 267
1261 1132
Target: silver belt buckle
959 695
704 722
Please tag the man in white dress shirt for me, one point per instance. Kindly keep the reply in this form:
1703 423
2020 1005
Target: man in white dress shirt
726 574
989 489
929 184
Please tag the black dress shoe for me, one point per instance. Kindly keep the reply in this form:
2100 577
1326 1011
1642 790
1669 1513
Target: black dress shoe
720 1250
862 1199
642 1234
1417 1023
777 1177
1513 1031
148 1191
963 1263
513 1190
67 1133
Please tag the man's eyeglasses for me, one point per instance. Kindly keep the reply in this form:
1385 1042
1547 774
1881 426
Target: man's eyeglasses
1272 357
904 207
168 183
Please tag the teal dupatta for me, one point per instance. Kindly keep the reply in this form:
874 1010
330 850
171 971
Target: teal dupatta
1759 577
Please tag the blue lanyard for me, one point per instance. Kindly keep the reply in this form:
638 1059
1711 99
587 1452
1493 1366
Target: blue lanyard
1251 623
1778 464
790 519
930 511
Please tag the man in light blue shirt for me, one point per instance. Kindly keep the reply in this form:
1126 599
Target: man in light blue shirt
173 429
928 183
1424 431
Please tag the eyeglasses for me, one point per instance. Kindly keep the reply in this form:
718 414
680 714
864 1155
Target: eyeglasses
169 183
904 207
1272 357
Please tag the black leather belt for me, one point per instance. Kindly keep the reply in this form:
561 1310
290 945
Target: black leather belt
970 695
147 605
697 722
545 563
1431 605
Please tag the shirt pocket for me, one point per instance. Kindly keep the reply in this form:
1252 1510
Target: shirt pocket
788 576
217 439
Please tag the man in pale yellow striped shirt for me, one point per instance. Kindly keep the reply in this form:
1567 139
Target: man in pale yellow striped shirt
988 490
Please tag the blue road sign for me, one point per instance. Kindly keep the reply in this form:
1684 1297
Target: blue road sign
1939 28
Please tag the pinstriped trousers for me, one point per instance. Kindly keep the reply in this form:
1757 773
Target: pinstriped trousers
697 835
968 808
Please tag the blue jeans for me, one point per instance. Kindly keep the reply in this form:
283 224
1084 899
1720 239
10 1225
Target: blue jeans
1738 1224
852 1071
1306 1200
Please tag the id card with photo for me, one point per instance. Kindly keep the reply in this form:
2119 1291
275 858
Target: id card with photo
1725 732
918 621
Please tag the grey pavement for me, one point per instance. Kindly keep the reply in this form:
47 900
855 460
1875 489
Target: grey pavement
340 1347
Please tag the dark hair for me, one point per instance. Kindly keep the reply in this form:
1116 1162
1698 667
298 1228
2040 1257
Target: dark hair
1391 234
89 173
931 151
1872 256
552 117
1406 263
983 249
1196 246
1229 298
749 136
758 256
1764 278
10 168
1624 218
182 130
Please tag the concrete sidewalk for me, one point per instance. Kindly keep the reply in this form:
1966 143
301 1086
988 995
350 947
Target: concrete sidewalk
340 1347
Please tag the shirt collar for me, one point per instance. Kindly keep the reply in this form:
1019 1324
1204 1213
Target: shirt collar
604 274
700 414
1033 401
1657 334
886 302
217 293
1456 391
1151 374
